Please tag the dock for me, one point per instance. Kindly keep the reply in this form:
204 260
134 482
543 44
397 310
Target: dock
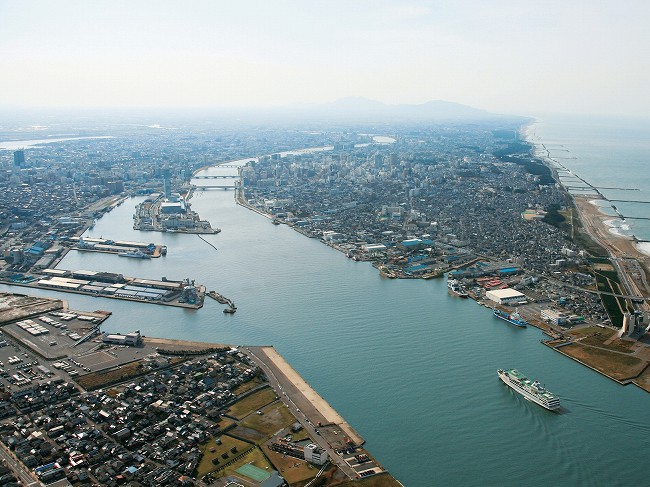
184 294
119 247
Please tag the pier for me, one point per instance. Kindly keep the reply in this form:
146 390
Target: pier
119 247
184 294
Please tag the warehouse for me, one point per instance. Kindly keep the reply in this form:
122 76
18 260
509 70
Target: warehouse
506 296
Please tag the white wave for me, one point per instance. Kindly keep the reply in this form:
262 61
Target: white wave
618 227
643 247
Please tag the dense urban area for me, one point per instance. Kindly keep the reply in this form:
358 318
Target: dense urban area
469 201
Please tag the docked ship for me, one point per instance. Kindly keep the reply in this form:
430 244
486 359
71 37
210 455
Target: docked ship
512 318
136 254
531 390
454 287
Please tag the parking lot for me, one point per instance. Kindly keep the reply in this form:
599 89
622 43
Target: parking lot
51 346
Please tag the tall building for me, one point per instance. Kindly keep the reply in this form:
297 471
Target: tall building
19 157
167 183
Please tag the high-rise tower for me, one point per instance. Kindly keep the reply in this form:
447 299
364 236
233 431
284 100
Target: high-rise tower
167 183
19 157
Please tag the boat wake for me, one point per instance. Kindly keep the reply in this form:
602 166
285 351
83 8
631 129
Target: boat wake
614 418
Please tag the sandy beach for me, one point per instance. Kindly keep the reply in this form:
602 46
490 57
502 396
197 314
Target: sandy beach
595 224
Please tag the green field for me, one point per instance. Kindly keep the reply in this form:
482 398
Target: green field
275 417
212 450
252 403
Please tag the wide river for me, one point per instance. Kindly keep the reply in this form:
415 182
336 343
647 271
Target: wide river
412 368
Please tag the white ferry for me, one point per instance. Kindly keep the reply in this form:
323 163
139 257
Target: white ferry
531 390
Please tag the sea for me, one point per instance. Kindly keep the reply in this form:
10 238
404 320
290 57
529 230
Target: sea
410 367
608 153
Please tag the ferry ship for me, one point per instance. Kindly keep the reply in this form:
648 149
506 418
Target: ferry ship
531 390
138 254
454 287
512 318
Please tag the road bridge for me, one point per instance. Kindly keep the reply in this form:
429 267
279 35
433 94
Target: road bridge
215 186
218 176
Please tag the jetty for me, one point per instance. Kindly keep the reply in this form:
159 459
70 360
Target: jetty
223 300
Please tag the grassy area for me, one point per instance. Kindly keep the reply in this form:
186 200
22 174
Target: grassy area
253 456
613 364
381 480
607 280
252 403
247 386
598 340
256 457
212 450
275 417
97 380
292 469
584 331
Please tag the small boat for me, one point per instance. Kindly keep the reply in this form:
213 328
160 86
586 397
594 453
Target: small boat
531 390
229 310
512 318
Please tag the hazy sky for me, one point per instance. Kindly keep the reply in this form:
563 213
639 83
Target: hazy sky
511 56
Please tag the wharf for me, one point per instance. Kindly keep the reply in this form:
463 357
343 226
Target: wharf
166 293
108 246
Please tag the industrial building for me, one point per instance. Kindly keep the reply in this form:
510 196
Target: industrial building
315 454
130 339
506 296
554 316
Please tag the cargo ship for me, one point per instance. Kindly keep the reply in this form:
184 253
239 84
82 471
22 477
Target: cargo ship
512 318
454 287
531 390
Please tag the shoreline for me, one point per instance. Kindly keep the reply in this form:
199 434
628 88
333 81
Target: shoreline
592 220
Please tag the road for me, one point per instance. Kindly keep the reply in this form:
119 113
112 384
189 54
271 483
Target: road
17 467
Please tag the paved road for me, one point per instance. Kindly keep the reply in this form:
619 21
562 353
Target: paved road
17 467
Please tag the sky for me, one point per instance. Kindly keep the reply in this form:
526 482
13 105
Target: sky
505 56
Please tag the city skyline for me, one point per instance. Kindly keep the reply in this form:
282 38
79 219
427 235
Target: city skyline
513 57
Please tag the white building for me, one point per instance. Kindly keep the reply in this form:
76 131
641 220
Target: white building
554 316
506 296
131 339
315 454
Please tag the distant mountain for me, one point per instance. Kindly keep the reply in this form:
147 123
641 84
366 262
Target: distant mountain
358 109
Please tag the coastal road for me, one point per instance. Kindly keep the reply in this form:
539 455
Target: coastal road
299 405
17 467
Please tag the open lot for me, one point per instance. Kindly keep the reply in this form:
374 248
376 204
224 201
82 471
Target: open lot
252 403
275 417
616 365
